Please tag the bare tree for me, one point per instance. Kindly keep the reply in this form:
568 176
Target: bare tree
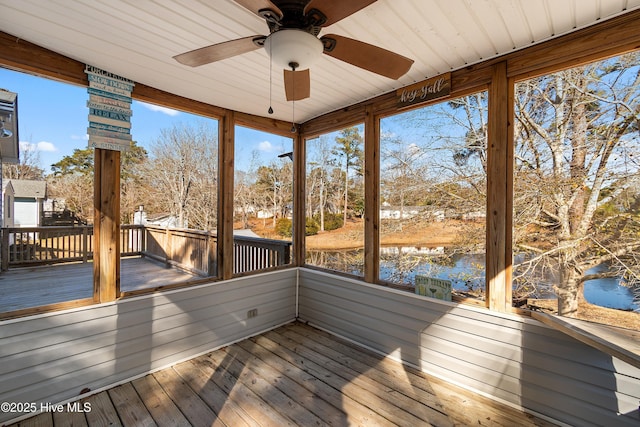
76 192
183 173
404 173
274 187
317 178
577 174
350 152
28 168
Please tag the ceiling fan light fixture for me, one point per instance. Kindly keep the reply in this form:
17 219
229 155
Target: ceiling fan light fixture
288 46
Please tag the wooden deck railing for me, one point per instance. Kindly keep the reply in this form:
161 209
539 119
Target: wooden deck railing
51 245
192 250
254 253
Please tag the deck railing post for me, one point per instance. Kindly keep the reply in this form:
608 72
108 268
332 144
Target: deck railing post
169 242
211 255
85 244
286 254
142 239
5 249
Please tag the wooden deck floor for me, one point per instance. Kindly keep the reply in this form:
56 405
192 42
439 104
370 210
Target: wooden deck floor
294 375
24 288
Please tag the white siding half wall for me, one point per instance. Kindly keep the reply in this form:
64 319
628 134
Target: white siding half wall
52 358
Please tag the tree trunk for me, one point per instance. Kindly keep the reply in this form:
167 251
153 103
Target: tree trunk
322 203
346 193
570 292
570 287
578 168
275 204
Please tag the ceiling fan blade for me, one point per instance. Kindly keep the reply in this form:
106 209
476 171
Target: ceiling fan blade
256 6
336 10
297 84
219 51
367 56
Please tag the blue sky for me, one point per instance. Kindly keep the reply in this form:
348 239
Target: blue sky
52 118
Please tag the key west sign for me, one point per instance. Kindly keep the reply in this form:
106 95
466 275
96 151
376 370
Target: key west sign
427 90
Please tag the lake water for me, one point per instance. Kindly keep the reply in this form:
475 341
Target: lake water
465 271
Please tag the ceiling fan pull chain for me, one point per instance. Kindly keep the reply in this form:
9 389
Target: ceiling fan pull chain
293 66
270 111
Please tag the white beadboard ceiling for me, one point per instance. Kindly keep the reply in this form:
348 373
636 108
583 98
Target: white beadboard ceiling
138 38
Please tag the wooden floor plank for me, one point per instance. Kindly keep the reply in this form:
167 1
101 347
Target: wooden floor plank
339 380
403 395
461 405
292 375
265 368
130 407
258 409
189 403
164 412
41 420
385 371
355 413
103 413
70 419
378 396
298 414
198 377
258 412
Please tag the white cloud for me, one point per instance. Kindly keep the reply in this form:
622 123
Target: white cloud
163 110
40 146
84 137
268 147
46 146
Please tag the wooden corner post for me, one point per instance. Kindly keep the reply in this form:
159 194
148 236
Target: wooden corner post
226 132
106 225
499 192
299 208
372 197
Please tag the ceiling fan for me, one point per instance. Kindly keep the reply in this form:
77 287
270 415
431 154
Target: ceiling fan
294 45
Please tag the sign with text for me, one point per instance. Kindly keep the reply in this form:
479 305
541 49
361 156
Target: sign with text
432 287
427 90
109 110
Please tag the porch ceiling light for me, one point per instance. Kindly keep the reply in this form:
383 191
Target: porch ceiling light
292 46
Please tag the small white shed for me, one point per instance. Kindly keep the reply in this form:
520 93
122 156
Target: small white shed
29 196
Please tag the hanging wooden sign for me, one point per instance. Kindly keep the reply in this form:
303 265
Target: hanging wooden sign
109 110
427 90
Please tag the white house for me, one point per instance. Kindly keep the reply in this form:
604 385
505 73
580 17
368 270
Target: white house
29 196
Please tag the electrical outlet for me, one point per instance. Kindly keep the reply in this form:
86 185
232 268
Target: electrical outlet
252 313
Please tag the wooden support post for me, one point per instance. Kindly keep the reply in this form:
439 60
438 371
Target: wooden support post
212 255
106 225
499 192
85 244
299 207
225 200
4 250
168 246
371 196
